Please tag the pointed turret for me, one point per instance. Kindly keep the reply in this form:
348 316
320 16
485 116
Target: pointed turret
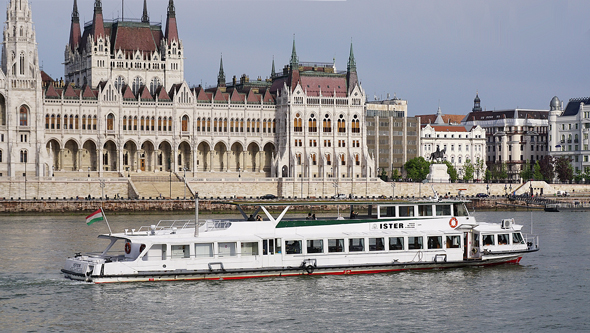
476 103
351 75
75 32
439 119
97 22
145 18
171 27
221 75
272 71
294 59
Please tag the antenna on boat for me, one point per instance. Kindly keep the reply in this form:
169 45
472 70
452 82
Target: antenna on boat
435 194
197 215
107 221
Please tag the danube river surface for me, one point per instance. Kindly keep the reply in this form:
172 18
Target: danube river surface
549 290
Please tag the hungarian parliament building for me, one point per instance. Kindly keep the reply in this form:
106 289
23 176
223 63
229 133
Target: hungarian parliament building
124 107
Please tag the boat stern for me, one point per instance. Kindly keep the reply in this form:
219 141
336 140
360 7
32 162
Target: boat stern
81 267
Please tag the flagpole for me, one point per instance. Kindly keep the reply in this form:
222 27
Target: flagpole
197 215
107 221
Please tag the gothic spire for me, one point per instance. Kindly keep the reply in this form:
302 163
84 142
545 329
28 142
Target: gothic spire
98 22
221 75
272 72
75 14
171 27
294 59
97 6
145 18
351 62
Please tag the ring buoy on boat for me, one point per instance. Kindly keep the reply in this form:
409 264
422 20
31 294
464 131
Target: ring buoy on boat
141 248
309 269
474 251
453 222
127 247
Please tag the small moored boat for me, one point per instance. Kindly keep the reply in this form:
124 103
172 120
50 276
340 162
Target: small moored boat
375 236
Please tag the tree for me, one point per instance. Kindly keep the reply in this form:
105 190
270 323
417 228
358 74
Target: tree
564 169
417 168
587 174
451 171
579 177
479 167
501 171
488 176
383 175
526 173
395 175
537 175
547 168
468 170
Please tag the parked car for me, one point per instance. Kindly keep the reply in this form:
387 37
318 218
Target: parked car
340 196
268 196
562 194
481 195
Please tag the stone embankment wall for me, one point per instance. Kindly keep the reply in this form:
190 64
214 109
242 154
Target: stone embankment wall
54 188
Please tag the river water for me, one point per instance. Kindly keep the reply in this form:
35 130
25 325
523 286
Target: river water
549 290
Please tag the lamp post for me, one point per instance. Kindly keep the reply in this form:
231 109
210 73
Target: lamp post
239 172
184 178
88 172
488 188
25 178
52 171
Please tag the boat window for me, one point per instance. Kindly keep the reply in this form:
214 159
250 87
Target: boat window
335 245
415 243
476 240
356 244
315 246
488 240
376 244
387 211
434 242
453 242
249 248
443 210
396 243
517 238
293 246
460 209
227 249
425 210
503 239
156 253
180 251
204 250
278 245
406 211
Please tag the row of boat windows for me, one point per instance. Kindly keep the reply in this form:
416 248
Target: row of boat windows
423 210
336 245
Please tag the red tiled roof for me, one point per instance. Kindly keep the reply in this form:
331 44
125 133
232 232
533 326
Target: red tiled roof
162 94
268 98
253 97
448 128
134 38
70 92
219 96
128 94
51 92
201 95
46 78
145 95
87 92
236 96
327 85
171 30
431 118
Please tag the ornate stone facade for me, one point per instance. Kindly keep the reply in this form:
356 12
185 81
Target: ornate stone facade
125 108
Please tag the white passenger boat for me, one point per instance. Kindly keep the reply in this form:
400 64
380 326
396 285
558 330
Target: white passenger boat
373 237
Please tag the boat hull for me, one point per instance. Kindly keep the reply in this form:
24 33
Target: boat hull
289 271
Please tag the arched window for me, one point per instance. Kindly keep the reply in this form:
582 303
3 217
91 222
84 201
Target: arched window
208 124
76 122
241 125
94 123
23 156
274 126
119 83
0 156
313 124
248 125
58 122
159 124
47 121
298 159
297 123
257 125
224 124
52 121
129 121
199 124
214 124
165 124
313 160
328 159
263 125
155 83
84 122
65 122
71 122
341 124
23 116
22 64
124 123
356 128
231 125
137 83
327 124
110 122
134 123
142 123
185 123
153 123
342 159
170 124
356 159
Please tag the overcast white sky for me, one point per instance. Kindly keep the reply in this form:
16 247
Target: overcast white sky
516 53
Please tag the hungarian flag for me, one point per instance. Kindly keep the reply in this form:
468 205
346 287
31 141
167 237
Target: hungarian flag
94 217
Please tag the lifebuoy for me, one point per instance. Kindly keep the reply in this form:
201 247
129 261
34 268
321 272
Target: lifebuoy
309 269
141 248
127 247
453 222
473 251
